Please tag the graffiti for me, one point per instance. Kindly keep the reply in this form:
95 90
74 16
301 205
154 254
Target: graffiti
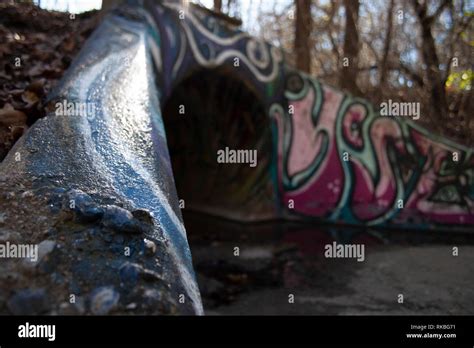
188 39
334 156
255 54
342 161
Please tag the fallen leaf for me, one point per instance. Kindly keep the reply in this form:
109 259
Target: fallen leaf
10 117
30 98
37 87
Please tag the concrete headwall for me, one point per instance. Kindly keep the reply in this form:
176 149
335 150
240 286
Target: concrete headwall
334 157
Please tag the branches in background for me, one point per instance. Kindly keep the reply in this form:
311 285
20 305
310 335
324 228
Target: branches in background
409 50
430 56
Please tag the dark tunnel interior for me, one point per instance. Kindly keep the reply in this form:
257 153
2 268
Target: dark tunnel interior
210 111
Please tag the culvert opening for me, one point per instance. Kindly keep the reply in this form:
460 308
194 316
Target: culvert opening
213 120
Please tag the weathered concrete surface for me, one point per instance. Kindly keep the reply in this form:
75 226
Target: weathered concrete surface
95 190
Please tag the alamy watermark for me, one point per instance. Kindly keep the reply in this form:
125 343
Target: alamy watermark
346 251
237 156
20 251
401 109
28 330
67 108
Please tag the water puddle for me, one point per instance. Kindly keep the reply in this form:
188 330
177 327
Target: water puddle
284 268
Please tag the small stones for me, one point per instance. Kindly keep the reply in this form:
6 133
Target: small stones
150 247
26 194
130 273
120 220
8 235
84 206
156 301
104 300
143 215
150 275
152 297
28 302
77 308
32 149
3 217
44 248
131 306
111 216
92 213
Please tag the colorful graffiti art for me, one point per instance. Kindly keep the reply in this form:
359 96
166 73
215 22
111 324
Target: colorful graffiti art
334 156
187 39
340 160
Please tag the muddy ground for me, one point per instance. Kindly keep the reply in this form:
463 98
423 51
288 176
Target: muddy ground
277 260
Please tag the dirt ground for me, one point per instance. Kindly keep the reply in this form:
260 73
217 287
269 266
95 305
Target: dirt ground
37 48
276 261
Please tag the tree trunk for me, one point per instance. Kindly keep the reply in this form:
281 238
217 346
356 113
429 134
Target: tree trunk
430 57
218 5
302 42
349 70
386 50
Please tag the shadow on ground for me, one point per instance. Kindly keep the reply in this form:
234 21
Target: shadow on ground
279 259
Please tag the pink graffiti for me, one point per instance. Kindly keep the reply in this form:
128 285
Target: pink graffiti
375 186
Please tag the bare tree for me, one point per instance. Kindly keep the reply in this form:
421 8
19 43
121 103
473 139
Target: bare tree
388 41
302 43
430 56
349 72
